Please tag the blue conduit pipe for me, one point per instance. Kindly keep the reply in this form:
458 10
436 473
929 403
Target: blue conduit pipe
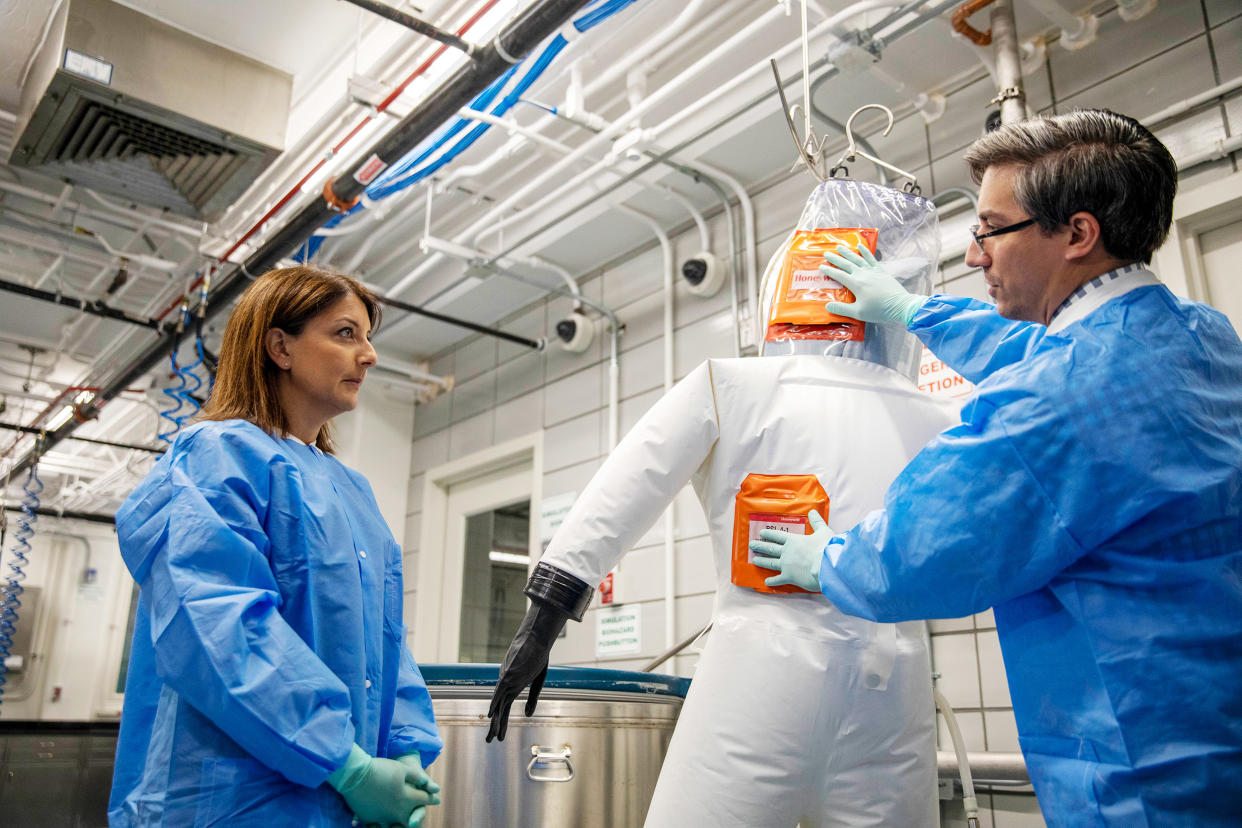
418 165
11 605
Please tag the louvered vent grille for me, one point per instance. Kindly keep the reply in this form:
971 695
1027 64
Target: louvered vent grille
148 112
97 131
193 169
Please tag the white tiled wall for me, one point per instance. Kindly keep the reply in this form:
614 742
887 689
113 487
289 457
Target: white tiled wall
504 390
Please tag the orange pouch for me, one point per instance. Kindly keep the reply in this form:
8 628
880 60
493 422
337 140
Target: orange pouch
802 291
771 501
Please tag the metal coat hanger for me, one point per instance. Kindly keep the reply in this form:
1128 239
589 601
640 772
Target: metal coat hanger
811 149
852 150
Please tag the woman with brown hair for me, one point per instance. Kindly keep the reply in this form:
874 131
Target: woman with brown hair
269 651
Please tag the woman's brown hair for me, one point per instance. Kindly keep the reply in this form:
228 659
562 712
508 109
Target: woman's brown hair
286 298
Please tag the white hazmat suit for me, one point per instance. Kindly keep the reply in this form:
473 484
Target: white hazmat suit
847 736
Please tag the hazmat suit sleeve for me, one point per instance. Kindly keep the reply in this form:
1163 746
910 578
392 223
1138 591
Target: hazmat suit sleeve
971 337
197 545
979 516
639 479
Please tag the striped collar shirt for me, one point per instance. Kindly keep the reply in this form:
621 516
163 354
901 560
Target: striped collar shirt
1095 292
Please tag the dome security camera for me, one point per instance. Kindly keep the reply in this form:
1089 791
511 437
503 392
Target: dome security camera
703 274
575 332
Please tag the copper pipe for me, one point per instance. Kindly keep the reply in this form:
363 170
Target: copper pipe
965 29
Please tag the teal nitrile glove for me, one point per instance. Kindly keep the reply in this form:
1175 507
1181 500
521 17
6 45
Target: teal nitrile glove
796 557
878 295
419 777
377 790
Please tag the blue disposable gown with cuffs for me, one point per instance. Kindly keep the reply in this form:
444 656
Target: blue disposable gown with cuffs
1093 494
268 638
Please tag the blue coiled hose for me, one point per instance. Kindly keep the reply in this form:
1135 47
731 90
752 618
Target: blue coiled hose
174 394
13 582
185 406
191 382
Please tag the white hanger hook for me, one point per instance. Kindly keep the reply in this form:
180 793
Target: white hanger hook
849 125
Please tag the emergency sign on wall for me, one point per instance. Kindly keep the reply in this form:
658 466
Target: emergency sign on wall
552 513
940 380
618 631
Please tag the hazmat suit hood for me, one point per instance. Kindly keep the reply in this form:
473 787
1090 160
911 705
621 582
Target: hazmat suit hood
908 242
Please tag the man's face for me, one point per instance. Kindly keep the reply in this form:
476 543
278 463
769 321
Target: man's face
1018 267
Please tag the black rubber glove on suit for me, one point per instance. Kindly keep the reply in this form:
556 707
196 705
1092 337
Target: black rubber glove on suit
556 596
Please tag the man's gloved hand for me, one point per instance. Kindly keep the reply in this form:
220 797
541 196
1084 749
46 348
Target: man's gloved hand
878 295
796 557
525 663
378 791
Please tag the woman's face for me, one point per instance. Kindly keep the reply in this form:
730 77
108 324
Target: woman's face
324 366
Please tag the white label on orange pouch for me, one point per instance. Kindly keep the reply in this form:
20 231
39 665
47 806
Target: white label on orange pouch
813 280
793 524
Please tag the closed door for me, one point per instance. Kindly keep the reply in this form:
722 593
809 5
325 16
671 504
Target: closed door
1221 251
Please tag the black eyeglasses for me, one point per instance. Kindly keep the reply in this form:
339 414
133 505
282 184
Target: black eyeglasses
1013 228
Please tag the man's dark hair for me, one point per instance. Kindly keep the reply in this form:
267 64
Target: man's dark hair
1093 161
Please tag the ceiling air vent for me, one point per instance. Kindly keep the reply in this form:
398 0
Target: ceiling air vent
123 104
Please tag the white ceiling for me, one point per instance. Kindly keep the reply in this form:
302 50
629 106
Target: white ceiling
321 43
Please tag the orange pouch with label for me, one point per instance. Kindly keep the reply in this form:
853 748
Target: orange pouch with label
771 501
802 291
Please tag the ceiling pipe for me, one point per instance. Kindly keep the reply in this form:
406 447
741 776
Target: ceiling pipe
337 148
109 443
513 42
90 517
411 22
95 308
1010 94
1077 30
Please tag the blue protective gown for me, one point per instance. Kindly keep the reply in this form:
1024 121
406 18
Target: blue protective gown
268 639
1093 495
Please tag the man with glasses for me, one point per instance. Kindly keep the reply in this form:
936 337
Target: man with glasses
1093 491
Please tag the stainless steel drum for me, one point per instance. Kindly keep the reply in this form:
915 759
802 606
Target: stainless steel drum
588 758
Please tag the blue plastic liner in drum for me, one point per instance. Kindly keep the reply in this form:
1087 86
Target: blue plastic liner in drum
574 678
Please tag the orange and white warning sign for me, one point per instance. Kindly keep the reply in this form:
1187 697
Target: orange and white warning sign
940 380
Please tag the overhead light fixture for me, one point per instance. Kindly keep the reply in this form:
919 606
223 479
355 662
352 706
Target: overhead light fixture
508 558
60 419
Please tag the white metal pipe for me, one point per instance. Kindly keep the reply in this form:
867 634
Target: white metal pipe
705 236
1073 27
498 213
458 172
1171 112
139 259
750 251
1220 149
291 166
406 211
601 140
1008 63
728 87
73 206
570 282
665 35
670 568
